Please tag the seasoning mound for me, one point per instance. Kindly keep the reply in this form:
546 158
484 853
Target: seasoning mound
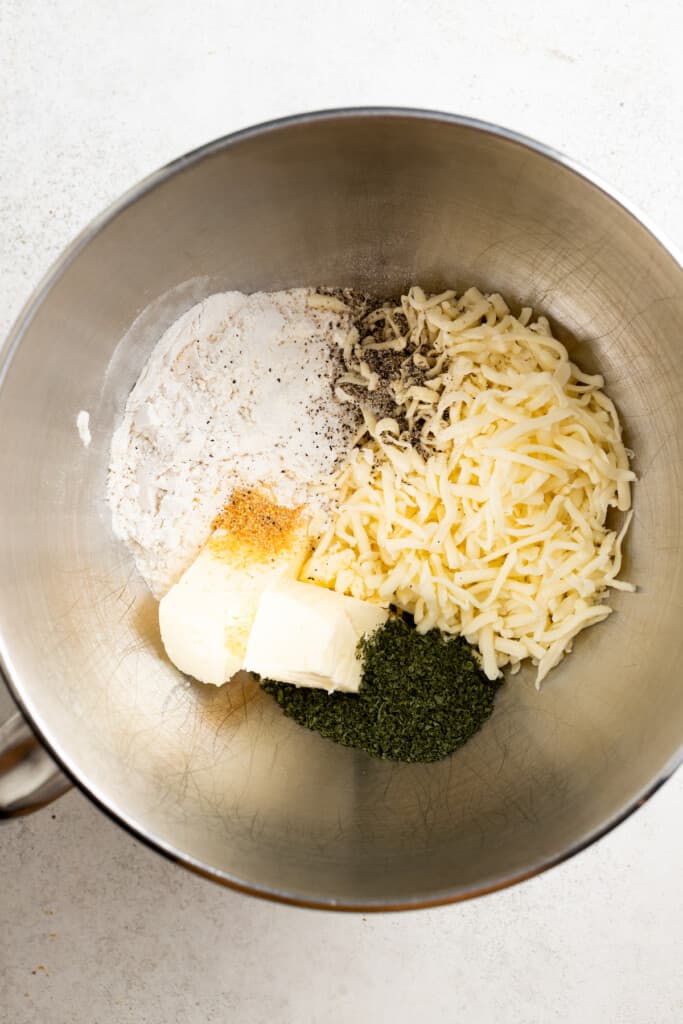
421 697
254 526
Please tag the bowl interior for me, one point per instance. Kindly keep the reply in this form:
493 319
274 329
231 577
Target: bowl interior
219 777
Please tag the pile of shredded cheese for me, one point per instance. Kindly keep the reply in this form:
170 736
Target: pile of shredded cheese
480 507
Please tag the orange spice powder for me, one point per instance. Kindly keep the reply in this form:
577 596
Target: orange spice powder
255 526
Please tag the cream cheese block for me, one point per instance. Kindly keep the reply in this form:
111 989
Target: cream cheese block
308 635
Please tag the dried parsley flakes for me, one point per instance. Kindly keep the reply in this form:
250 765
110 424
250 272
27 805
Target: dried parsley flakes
422 696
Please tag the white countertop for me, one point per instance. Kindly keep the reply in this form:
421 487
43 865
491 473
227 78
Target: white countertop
96 929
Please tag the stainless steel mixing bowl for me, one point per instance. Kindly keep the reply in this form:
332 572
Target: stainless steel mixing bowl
219 779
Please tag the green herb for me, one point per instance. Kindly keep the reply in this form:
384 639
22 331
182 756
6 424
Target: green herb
421 697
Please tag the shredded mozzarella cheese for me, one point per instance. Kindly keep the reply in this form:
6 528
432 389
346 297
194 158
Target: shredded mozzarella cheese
483 510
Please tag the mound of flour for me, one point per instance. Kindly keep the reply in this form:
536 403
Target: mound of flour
237 392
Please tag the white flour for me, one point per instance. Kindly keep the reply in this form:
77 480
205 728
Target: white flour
83 427
236 393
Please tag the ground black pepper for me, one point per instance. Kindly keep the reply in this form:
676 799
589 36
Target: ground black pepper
375 318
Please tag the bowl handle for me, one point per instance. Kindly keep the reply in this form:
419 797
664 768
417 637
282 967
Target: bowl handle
29 778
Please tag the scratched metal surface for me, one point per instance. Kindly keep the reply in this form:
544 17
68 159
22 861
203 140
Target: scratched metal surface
219 776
